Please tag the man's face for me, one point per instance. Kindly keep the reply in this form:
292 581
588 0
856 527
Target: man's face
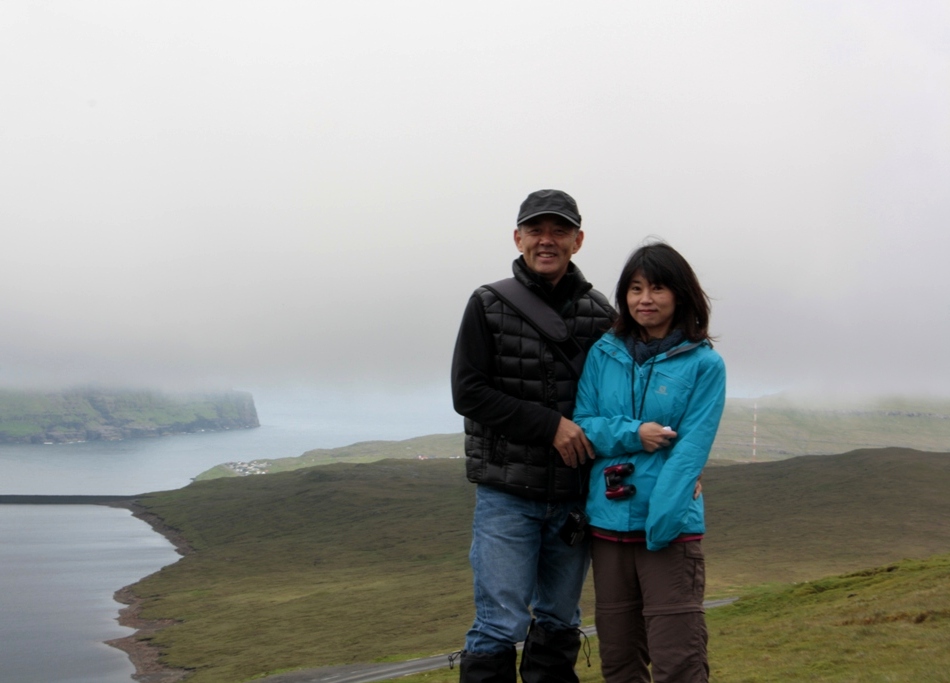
548 242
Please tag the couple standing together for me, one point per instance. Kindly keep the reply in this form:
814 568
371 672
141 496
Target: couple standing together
619 439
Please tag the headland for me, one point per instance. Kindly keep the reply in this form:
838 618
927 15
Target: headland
31 417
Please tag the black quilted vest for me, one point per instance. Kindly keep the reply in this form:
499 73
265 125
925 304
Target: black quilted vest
528 369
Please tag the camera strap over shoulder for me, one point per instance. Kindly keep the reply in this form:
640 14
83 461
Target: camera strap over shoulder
544 319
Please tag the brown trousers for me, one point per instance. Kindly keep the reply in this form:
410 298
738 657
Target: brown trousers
649 609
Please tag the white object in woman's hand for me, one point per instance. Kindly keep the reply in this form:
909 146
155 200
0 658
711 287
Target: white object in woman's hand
654 436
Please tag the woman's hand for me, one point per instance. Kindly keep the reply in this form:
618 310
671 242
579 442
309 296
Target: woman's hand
654 436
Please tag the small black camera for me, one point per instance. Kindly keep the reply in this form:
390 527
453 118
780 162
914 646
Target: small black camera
575 527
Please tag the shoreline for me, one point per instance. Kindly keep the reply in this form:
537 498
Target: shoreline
143 655
148 435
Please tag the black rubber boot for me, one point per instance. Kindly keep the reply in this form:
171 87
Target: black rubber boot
549 657
475 667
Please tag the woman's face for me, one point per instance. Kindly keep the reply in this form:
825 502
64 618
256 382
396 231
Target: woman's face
651 306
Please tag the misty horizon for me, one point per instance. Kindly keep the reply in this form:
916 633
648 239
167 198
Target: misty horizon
211 196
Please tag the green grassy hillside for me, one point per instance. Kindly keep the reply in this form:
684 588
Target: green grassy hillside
420 447
885 624
93 414
786 426
331 564
795 519
890 623
351 563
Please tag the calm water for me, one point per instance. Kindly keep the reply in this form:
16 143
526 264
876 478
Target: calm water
60 565
292 422
60 568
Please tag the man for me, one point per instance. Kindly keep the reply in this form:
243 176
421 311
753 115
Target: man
515 386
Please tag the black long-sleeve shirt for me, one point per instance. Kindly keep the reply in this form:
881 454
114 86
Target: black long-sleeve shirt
474 393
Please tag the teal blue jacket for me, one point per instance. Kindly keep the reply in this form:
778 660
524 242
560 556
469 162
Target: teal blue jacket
685 389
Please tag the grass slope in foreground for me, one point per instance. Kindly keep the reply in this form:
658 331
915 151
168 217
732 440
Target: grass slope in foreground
891 623
355 563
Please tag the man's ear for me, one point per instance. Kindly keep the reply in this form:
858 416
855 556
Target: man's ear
578 241
518 240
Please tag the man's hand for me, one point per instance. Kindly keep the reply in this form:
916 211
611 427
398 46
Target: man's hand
572 444
698 489
654 436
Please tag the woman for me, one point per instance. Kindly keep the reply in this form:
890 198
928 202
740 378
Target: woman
651 444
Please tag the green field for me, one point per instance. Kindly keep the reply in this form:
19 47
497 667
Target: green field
787 426
345 563
420 447
881 625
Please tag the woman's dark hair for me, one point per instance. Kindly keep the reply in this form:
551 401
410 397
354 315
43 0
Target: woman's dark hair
661 264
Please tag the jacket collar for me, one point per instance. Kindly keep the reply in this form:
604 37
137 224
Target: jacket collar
616 348
644 351
569 288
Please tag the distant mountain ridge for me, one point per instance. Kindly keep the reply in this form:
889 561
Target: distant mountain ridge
779 427
110 415
752 430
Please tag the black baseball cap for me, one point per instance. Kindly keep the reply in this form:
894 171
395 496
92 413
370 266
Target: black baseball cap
549 201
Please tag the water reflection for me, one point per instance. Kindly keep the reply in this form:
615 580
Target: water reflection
61 567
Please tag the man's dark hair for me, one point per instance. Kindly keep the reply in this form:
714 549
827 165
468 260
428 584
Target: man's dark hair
661 264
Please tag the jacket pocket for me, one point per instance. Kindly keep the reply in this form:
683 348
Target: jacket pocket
668 396
499 450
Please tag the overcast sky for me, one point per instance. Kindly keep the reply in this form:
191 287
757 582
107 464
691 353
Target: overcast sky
248 193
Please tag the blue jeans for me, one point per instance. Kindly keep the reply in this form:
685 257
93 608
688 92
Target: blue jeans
521 566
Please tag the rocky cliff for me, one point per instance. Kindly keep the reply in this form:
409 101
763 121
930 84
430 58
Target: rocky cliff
90 415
